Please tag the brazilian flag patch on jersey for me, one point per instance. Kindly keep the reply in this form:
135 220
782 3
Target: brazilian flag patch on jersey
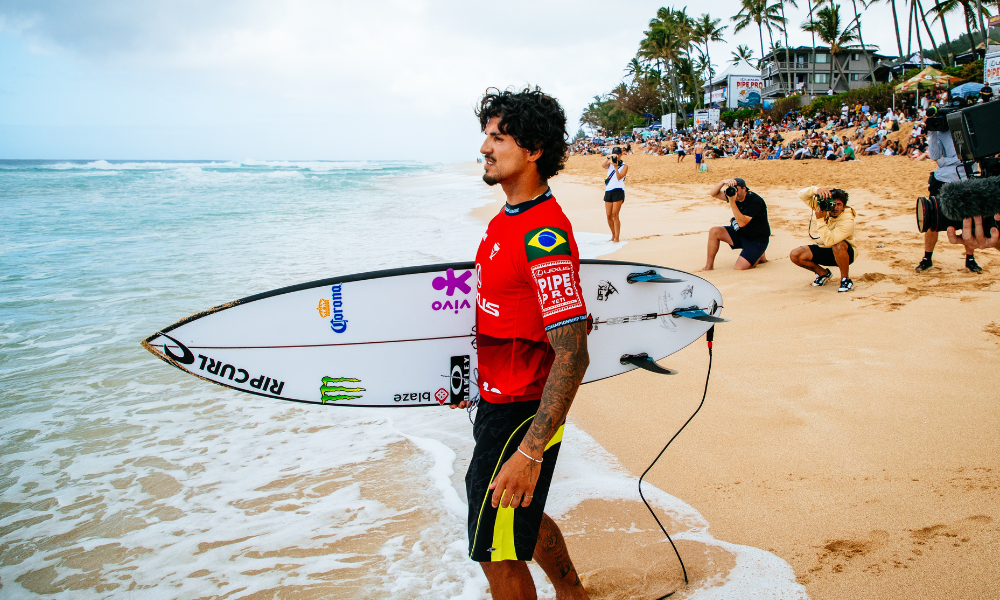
546 241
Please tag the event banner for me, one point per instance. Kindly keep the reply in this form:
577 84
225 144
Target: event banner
744 91
991 72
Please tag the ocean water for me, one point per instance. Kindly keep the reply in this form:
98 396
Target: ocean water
121 477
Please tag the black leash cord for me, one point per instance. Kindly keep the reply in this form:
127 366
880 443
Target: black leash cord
710 335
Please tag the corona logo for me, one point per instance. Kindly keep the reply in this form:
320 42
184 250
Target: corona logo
324 308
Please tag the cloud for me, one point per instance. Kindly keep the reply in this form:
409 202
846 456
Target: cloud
349 69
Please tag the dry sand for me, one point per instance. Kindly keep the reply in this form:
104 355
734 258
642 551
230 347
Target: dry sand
854 435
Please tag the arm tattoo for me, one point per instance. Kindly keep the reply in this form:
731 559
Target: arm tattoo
570 345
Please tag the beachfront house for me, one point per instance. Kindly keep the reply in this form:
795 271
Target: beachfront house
891 69
788 71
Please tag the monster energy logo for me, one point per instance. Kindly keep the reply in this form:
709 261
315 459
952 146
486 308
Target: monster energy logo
330 392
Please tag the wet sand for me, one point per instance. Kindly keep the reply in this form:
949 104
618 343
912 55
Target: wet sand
854 435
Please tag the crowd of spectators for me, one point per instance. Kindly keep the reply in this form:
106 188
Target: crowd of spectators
854 131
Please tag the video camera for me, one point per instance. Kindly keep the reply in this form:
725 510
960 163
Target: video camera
976 133
937 118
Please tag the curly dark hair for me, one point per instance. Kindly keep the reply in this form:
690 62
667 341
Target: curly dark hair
535 121
839 194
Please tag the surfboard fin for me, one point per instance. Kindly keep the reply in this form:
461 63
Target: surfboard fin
650 277
643 361
698 315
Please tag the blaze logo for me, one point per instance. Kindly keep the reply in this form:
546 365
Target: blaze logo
496 248
546 241
452 283
332 393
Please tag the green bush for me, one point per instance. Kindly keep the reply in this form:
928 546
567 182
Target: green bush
878 97
782 106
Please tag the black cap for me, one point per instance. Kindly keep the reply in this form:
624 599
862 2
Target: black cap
740 182
616 150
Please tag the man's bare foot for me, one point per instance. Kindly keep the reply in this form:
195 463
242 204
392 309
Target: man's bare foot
712 268
762 259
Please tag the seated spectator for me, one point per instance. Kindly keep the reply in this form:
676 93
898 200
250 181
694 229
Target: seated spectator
846 153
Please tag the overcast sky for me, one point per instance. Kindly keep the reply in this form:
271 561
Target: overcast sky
238 79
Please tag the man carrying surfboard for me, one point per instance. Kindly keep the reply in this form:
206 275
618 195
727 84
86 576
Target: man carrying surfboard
531 340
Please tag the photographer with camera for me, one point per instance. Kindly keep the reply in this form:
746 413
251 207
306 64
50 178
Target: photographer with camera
614 190
836 236
941 147
749 229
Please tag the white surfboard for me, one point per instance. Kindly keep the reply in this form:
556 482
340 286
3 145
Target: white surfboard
406 337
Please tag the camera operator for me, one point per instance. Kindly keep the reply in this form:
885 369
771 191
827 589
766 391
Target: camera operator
941 147
614 190
836 236
748 230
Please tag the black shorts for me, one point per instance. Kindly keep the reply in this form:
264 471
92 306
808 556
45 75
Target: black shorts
750 250
504 533
824 256
934 185
615 195
682 153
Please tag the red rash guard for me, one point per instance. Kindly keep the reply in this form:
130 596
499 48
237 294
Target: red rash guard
528 269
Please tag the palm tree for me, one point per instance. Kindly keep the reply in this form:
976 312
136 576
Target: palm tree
864 49
945 7
812 59
706 30
895 21
784 29
944 28
761 13
923 19
667 41
743 54
827 26
634 69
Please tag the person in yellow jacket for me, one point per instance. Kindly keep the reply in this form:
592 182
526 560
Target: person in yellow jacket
836 238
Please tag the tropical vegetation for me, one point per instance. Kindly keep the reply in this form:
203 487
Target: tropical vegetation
674 61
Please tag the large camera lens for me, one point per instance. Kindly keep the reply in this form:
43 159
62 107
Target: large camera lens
730 191
930 217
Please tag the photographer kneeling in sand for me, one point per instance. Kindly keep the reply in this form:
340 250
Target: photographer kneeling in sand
748 230
836 236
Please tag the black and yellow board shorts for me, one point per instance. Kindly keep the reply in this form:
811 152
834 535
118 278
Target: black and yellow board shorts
504 533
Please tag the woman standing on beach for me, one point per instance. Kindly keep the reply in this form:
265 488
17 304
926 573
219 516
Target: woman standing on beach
614 190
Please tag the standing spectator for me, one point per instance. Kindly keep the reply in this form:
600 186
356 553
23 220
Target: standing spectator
614 190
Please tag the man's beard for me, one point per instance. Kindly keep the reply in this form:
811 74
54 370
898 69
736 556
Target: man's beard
493 179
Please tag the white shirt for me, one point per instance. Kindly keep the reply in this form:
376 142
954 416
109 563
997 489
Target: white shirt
941 148
614 183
